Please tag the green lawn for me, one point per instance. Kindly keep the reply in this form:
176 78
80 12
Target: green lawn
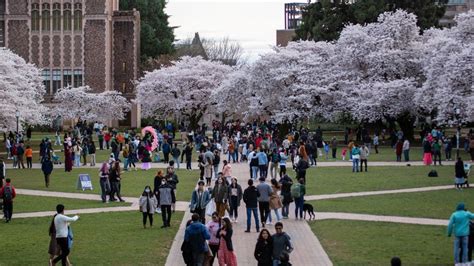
375 243
133 182
99 239
331 180
433 204
26 203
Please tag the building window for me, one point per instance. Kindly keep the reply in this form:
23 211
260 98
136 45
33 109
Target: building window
46 74
124 87
124 67
67 77
78 78
45 18
77 16
56 80
67 18
2 34
56 17
35 17
124 44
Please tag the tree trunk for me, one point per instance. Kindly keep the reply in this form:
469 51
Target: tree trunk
406 121
194 120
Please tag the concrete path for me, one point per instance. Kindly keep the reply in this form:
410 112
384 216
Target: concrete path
372 193
379 218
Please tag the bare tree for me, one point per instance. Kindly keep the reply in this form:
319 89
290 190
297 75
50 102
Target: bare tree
227 51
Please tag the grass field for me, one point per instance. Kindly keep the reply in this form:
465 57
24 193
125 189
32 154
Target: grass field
133 182
330 180
374 243
26 203
99 239
433 204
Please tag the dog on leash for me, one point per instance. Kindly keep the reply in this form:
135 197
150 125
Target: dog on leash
309 208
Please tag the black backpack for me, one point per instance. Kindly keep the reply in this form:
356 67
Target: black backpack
8 193
433 173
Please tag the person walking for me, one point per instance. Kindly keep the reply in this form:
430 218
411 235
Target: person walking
235 196
459 223
104 182
199 200
29 157
188 151
147 203
283 159
406 150
47 168
334 147
8 193
92 151
275 201
215 162
250 198
213 227
196 235
281 244
460 174
207 170
226 255
227 171
115 181
286 184
253 163
61 224
364 155
176 152
375 141
165 197
298 191
262 162
264 249
219 194
355 155
274 162
265 190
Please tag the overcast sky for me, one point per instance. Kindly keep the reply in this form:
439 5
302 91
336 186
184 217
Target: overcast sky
252 23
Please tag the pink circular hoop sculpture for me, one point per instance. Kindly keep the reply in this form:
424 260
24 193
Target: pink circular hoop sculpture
152 131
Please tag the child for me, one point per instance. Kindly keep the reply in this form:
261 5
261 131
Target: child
326 149
29 157
344 151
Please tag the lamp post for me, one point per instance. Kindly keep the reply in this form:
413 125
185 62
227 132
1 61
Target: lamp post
458 132
17 115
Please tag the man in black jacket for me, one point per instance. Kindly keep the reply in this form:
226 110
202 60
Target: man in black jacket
250 197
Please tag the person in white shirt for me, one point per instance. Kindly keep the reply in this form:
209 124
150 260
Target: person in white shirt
406 150
61 222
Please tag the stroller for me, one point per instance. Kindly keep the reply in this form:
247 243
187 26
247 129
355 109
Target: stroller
55 158
467 170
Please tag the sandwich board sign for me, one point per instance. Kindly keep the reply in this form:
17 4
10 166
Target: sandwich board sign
84 182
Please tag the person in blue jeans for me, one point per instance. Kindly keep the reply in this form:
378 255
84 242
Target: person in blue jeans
459 223
297 192
250 197
355 153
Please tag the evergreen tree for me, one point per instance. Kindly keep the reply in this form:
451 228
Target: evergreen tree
156 35
324 20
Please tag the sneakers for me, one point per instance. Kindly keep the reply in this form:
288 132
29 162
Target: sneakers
247 231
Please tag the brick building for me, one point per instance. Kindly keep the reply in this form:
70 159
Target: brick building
76 42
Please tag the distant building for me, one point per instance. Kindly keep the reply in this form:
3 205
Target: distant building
76 42
453 8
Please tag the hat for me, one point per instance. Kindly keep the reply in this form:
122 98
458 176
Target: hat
461 207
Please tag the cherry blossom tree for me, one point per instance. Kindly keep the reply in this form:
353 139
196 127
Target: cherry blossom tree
448 68
183 89
21 90
81 102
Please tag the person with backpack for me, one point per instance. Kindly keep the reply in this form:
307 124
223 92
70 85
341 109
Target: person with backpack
459 223
175 152
253 163
283 159
61 224
285 193
196 235
298 191
165 197
8 193
301 167
47 168
199 200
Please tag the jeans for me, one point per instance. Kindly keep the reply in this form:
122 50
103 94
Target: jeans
263 170
77 160
255 215
460 242
334 151
406 154
264 208
29 162
115 190
234 206
299 207
255 172
8 210
150 217
273 170
92 159
276 262
285 211
282 170
166 214
104 188
63 245
198 258
216 170
355 165
176 161
277 214
362 162
125 164
437 156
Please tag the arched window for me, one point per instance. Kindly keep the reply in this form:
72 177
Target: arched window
67 17
77 16
56 17
45 18
35 17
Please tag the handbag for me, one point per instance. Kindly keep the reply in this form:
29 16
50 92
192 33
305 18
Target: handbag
210 208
